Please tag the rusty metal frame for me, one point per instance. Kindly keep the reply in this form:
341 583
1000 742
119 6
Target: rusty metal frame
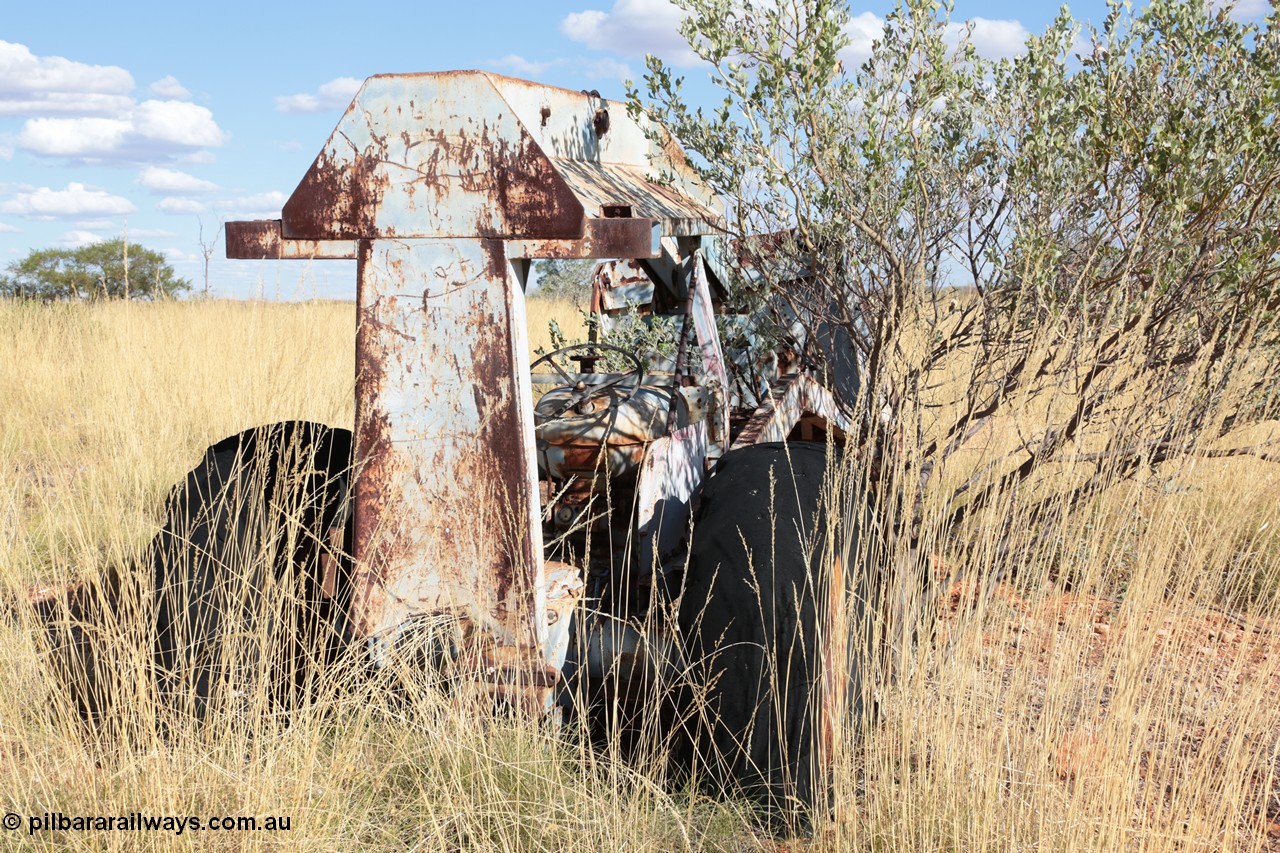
791 398
442 186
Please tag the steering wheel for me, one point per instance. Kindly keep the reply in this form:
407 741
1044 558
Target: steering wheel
620 388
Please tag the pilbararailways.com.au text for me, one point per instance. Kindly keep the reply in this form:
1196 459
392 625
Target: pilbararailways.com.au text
139 822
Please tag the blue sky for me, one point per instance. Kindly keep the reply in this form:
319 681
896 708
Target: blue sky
170 114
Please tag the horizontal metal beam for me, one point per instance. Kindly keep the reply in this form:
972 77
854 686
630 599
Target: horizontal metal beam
262 240
602 238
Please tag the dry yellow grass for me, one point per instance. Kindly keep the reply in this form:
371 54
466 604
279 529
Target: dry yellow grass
1100 701
1101 719
567 315
106 406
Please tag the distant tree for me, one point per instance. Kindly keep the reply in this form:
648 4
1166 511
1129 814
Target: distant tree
207 249
92 272
566 279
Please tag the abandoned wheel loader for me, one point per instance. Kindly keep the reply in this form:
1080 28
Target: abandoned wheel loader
539 543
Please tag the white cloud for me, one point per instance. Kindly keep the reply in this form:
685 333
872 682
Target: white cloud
633 28
72 136
1081 45
609 69
86 113
6 228
994 39
53 85
177 123
169 87
202 157
599 68
637 27
76 239
95 224
174 255
180 205
518 65
149 233
291 145
62 103
149 130
334 95
862 30
77 200
164 181
260 206
1244 10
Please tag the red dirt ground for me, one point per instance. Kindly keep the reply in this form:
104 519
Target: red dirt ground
1216 650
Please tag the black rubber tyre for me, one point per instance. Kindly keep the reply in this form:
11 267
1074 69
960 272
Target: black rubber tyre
754 614
251 571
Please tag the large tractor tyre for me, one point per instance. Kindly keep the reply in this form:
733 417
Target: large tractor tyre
252 571
761 616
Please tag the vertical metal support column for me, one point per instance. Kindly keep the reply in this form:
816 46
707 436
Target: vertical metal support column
446 514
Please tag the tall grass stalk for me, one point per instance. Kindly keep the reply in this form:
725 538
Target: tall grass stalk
1116 689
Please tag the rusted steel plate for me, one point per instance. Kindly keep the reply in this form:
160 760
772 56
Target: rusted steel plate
704 322
600 184
626 297
610 440
572 125
618 287
667 272
564 590
451 155
620 284
261 240
432 155
790 398
607 156
670 477
446 515
602 238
